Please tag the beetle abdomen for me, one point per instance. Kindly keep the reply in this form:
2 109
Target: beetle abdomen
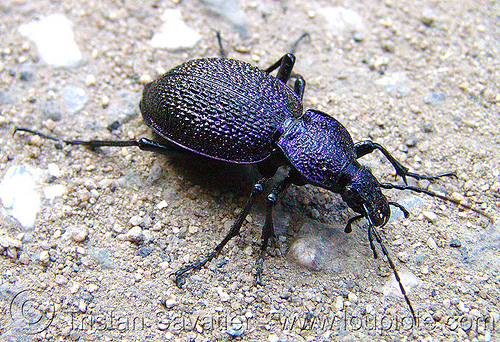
221 108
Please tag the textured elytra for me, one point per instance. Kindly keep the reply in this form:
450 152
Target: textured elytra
319 147
221 108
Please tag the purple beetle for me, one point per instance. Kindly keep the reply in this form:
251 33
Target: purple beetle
232 111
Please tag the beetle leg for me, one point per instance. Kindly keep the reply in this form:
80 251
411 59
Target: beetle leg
144 144
235 230
268 229
285 65
365 147
299 86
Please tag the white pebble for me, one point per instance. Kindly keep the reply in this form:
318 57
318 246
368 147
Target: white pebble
161 205
170 302
339 303
60 279
79 233
105 101
18 194
145 79
431 243
429 216
54 39
174 33
54 170
90 80
352 297
136 220
44 257
134 234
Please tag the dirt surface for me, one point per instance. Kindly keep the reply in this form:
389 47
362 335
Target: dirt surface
420 78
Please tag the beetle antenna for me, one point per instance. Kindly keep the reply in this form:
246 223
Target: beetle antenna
372 232
221 48
293 48
434 194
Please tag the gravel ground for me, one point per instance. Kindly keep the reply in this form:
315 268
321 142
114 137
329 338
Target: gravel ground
420 78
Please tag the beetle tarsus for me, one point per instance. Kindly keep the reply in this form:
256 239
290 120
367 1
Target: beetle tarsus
268 228
234 231
366 147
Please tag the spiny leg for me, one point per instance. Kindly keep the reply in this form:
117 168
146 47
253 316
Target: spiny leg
299 86
180 275
285 65
366 147
268 229
142 143
373 233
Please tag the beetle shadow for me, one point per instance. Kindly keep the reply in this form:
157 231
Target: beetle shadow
215 175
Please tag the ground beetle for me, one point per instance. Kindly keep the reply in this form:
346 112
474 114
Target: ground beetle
232 111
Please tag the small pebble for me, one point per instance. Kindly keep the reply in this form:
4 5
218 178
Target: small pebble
145 79
134 234
235 330
157 226
489 95
105 101
404 256
144 251
458 197
136 220
388 46
410 142
44 257
79 233
428 127
90 80
307 252
429 216
357 36
169 302
285 295
224 296
455 243
161 205
339 303
428 17
352 297
60 279
431 243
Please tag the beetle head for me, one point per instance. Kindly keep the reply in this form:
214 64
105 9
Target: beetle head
363 195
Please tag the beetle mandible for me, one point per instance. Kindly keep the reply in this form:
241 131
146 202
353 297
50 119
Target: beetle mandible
231 111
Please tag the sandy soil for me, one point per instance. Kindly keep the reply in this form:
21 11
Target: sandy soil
421 78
